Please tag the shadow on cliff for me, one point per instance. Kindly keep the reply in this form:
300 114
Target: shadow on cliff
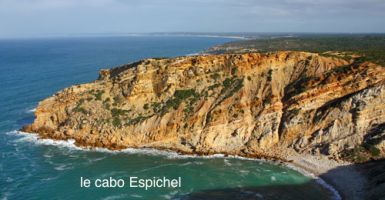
373 187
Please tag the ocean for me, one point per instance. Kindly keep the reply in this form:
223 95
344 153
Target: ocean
31 168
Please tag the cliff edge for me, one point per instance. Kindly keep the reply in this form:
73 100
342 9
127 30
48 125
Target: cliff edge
240 104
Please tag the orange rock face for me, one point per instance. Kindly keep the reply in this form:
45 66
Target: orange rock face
235 104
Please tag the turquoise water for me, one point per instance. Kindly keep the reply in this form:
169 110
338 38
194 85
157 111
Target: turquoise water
32 70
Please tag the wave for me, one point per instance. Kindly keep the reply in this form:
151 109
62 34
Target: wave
70 144
320 181
34 138
114 197
31 110
193 54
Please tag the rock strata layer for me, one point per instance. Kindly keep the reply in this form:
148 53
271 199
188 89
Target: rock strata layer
240 104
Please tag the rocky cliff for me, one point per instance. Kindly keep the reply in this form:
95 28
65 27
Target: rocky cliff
242 104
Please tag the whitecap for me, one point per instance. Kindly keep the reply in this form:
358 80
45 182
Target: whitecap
48 156
136 196
120 196
227 162
31 110
185 164
49 178
34 138
96 159
9 179
63 167
5 195
193 54
151 168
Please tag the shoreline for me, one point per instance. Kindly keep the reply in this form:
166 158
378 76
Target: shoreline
341 176
319 168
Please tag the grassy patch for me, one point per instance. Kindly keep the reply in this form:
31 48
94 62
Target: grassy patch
234 71
269 75
215 76
212 87
231 86
179 97
98 95
156 107
79 107
137 119
116 122
362 153
115 112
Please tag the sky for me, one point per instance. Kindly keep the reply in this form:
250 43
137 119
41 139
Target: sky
40 18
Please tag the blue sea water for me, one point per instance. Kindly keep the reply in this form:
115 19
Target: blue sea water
33 69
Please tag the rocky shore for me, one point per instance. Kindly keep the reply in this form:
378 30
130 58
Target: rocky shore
272 105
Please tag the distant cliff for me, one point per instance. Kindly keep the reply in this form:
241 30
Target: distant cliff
242 104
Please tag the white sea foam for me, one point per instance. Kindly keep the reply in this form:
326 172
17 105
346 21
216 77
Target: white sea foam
120 196
63 167
320 181
31 110
136 196
49 178
34 138
259 195
227 162
193 54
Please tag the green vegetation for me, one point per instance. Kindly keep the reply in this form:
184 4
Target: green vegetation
294 112
227 82
106 103
146 106
215 76
361 153
98 95
179 97
370 46
156 106
232 85
212 87
267 100
137 119
298 86
118 100
341 70
79 107
234 70
269 75
81 101
115 112
116 122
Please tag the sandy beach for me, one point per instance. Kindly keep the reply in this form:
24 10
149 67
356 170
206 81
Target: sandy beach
342 176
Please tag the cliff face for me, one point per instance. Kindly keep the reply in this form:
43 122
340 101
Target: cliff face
235 104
